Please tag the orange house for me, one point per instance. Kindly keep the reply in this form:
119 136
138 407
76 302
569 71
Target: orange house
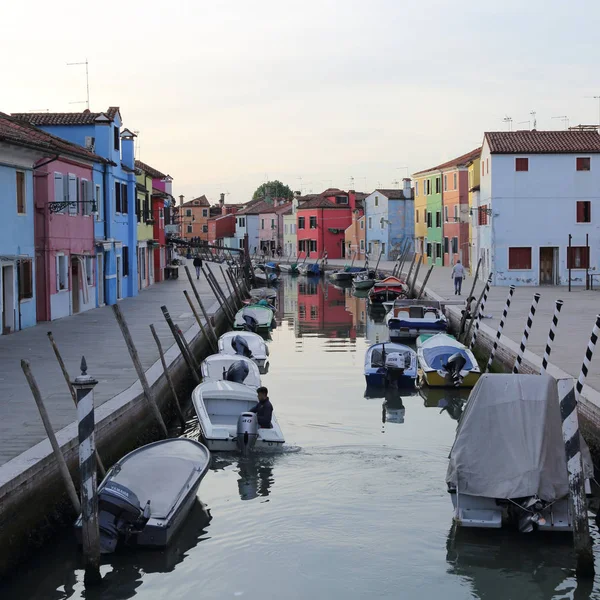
354 237
193 218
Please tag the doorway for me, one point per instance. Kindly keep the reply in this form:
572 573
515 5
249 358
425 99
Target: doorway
75 285
119 279
100 275
8 300
549 266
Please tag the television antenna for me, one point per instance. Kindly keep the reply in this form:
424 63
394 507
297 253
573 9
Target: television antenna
396 182
528 123
533 113
87 82
564 119
136 150
508 120
596 98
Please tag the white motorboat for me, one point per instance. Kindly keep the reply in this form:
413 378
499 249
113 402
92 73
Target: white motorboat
507 465
254 317
226 423
387 362
248 344
146 496
410 318
230 367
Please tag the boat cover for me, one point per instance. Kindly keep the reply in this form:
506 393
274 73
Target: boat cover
509 440
438 356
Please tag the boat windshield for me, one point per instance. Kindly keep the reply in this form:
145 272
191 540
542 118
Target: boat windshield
436 358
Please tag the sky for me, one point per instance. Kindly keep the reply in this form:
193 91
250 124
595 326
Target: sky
317 94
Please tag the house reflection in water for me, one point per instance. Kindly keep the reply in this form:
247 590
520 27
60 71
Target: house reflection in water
322 309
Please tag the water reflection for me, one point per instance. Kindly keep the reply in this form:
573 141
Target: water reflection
255 473
393 407
448 400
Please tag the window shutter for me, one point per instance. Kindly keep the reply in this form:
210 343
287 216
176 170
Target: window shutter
124 203
73 193
117 196
580 213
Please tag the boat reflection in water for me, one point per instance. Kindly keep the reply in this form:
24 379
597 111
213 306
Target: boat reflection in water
393 408
503 564
255 477
451 401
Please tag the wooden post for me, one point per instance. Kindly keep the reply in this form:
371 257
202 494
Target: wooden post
199 300
168 377
187 348
220 298
551 335
226 300
238 293
139 369
60 459
425 281
589 352
411 290
412 264
212 342
577 500
467 303
63 368
511 291
179 342
528 324
233 297
90 532
476 313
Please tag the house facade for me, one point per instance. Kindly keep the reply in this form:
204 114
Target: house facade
525 174
355 237
248 227
145 228
193 217
474 169
420 219
221 230
429 185
290 239
271 226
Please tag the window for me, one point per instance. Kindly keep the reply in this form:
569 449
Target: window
417 216
241 243
578 257
125 261
117 197
138 209
521 164
428 187
429 219
190 228
437 185
383 248
272 223
313 312
301 311
454 245
124 203
376 200
482 217
89 270
428 246
445 182
73 194
416 188
62 272
302 246
204 228
262 223
370 223
205 212
147 214
370 247
362 245
583 163
438 219
313 245
59 190
300 222
455 181
519 258
25 279
99 204
424 215
362 223
584 211
188 212
285 229
21 197
116 138
456 213
313 222
445 214
438 249
446 245
85 196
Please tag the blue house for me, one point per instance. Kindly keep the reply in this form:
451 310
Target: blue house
390 221
114 191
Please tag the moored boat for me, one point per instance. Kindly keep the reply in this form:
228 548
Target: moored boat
230 367
246 343
340 275
388 362
146 496
446 362
388 289
254 317
408 319
311 270
291 268
362 281
225 421
265 277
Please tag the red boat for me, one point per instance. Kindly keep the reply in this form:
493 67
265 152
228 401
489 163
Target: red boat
388 290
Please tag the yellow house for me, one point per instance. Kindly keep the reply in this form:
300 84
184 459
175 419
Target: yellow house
421 218
145 228
474 180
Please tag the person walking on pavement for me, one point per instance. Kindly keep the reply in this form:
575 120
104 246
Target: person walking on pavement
458 274
198 265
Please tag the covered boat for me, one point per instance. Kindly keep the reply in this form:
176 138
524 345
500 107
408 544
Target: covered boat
387 362
146 496
291 268
312 270
265 277
408 319
263 293
272 267
225 421
446 362
507 464
340 275
387 289
254 318
248 344
230 367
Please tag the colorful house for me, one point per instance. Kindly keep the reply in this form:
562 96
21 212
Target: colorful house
221 230
390 217
290 239
533 177
355 237
145 227
323 312
193 218
428 223
247 226
271 229
115 227
474 168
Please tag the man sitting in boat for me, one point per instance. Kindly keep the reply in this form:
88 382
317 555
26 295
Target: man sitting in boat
263 409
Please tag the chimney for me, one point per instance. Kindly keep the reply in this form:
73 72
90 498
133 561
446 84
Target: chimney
406 187
223 208
222 200
127 148
181 200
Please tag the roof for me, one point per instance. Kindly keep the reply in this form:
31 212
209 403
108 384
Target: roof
13 131
392 194
255 208
126 168
200 201
459 161
149 170
160 194
332 192
543 142
284 209
321 203
79 118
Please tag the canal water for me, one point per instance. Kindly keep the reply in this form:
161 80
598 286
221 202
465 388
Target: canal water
354 507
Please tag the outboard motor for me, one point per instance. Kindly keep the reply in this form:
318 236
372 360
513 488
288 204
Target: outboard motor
247 432
395 363
120 515
250 323
237 372
454 366
240 345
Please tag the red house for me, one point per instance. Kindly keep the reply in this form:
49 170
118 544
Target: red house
220 228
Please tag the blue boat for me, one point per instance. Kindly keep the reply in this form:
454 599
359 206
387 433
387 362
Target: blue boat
313 270
411 318
388 362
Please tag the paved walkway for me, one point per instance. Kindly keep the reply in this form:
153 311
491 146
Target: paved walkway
96 335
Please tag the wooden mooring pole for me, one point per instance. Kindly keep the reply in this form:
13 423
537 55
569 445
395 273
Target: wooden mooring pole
425 281
209 324
526 332
589 352
180 344
208 338
90 533
551 335
412 264
511 291
478 314
411 290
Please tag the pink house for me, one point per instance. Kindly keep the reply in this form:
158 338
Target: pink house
66 192
270 225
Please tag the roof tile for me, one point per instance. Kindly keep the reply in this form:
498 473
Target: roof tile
79 118
459 161
154 173
543 142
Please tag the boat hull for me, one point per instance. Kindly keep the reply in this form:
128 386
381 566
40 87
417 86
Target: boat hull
379 380
435 379
401 330
230 445
340 276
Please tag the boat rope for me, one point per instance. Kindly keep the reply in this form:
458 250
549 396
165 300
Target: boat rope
589 352
511 291
486 291
519 359
551 335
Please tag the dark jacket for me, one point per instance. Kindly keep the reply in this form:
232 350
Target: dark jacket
197 261
264 412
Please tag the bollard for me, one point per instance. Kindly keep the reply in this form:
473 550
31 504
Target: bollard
511 291
551 335
589 352
479 311
90 533
577 500
528 323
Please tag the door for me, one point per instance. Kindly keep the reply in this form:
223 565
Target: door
548 263
119 278
8 300
100 275
75 285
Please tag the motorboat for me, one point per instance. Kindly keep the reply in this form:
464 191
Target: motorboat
264 293
445 362
230 367
254 318
340 275
225 421
388 362
507 464
362 281
389 288
265 277
248 344
146 496
292 268
408 319
272 267
261 302
312 270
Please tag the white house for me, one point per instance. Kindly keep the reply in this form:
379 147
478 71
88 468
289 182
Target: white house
246 227
537 189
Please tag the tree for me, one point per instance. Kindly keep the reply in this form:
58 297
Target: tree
273 189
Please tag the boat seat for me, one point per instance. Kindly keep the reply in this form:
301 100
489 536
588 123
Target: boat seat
476 517
415 312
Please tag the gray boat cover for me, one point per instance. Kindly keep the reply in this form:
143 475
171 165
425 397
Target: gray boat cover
509 440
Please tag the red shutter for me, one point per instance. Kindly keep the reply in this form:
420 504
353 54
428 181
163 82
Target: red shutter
580 214
519 258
